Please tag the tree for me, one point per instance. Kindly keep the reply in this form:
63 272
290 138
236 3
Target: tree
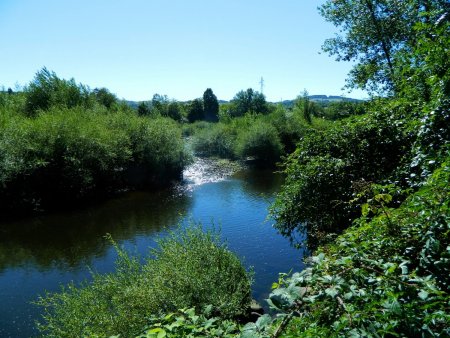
195 110
174 111
210 106
104 97
160 104
374 32
143 109
425 68
306 106
47 90
248 101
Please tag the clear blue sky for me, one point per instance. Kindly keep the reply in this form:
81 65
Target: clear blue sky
179 48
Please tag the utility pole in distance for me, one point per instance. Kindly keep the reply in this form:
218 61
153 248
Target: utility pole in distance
261 82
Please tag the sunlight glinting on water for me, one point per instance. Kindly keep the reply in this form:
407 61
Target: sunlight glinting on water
205 171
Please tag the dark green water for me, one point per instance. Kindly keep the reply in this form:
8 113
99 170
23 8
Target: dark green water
42 253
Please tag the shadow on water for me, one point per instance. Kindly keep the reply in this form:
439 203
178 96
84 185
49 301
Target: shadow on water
264 182
70 240
42 253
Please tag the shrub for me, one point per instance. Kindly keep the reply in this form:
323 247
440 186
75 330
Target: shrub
290 127
190 129
260 141
217 140
328 168
189 268
157 150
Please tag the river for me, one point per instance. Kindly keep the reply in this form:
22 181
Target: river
42 253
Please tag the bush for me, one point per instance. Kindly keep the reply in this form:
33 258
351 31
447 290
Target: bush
261 142
289 125
329 168
157 150
217 140
189 268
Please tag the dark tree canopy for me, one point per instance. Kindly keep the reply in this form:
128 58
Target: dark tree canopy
210 106
248 101
195 110
143 109
104 97
174 111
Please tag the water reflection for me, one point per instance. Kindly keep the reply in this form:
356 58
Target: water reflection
69 240
264 182
41 253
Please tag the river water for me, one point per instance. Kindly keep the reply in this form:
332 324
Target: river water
40 254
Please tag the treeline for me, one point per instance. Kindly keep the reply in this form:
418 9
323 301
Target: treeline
249 128
263 137
243 103
61 143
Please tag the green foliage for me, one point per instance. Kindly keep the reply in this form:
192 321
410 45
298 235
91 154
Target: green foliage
307 107
387 174
216 140
158 151
159 104
373 282
205 274
327 170
375 33
342 109
65 155
104 97
248 101
290 126
47 90
261 142
261 137
186 323
424 70
143 109
189 268
431 145
211 106
195 110
174 111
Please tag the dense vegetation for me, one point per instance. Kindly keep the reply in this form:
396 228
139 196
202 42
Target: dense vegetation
367 185
380 181
61 143
371 192
188 268
261 137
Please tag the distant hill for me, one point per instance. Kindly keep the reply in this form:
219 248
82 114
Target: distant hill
322 99
132 104
332 98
